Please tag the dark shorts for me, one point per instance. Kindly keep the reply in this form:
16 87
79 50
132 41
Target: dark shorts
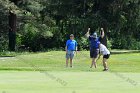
106 56
94 53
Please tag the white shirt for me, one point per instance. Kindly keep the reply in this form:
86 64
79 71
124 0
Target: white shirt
104 50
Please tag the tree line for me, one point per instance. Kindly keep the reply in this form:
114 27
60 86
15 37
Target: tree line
39 25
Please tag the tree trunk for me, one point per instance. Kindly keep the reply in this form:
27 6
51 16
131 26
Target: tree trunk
12 29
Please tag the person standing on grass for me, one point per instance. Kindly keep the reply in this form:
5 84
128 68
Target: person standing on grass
106 54
71 48
94 46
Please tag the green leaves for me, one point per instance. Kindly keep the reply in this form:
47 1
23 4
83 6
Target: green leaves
54 20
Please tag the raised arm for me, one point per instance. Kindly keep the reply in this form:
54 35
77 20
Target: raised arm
102 33
87 34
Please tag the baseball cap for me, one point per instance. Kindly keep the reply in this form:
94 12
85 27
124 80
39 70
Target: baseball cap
94 35
71 35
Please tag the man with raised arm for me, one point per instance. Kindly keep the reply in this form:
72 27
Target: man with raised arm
94 46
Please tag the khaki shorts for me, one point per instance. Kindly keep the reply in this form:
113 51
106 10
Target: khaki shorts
70 54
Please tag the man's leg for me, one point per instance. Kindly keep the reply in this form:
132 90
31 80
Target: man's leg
71 58
67 60
71 62
91 56
94 58
93 63
105 64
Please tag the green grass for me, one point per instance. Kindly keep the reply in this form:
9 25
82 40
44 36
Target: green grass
55 61
46 73
67 82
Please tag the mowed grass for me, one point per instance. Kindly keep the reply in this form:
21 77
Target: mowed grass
46 73
68 82
55 61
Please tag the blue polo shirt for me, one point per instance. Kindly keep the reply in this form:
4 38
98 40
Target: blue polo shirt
71 45
94 43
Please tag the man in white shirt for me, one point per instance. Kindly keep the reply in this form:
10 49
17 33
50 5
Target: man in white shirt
106 54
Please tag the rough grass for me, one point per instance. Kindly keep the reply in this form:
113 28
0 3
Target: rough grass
55 61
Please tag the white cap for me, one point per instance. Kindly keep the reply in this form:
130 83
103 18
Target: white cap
94 35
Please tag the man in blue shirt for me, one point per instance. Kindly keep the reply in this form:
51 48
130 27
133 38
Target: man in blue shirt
94 46
71 47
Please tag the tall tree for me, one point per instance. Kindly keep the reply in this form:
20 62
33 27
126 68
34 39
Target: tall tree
12 28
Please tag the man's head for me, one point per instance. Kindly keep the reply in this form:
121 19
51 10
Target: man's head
94 35
71 36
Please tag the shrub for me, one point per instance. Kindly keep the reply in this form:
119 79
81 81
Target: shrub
33 37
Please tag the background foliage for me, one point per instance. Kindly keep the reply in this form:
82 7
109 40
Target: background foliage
46 24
